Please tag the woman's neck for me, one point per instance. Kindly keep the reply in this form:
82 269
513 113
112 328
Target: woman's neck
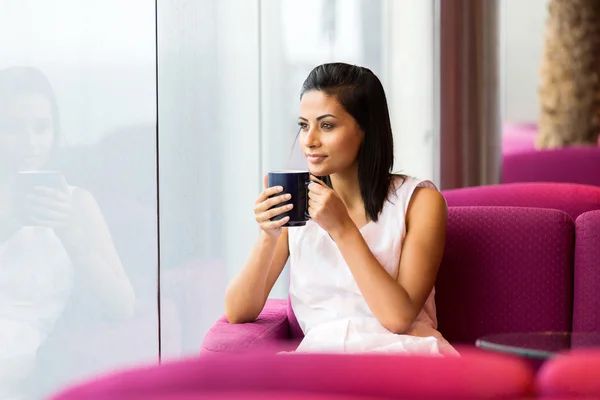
347 187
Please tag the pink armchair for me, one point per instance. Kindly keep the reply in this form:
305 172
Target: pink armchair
497 276
475 375
569 164
572 375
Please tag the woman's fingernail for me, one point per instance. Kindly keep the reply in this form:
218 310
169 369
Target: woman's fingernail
279 188
288 196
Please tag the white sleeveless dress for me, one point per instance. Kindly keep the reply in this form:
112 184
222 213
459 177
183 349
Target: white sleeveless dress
326 300
36 279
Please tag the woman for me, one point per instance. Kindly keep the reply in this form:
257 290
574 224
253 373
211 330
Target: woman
363 268
53 240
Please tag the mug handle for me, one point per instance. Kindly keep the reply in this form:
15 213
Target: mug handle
306 214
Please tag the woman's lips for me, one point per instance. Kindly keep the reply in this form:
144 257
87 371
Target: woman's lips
315 158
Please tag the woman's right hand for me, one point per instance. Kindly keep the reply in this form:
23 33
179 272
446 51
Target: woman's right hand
264 213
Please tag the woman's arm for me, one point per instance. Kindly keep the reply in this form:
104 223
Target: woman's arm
248 292
97 265
396 303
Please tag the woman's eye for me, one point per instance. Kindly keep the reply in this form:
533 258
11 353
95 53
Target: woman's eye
326 125
302 125
42 127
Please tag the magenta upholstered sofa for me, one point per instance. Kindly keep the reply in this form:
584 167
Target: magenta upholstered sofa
570 164
572 375
504 269
477 375
522 162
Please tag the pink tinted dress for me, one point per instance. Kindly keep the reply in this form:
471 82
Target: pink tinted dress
326 300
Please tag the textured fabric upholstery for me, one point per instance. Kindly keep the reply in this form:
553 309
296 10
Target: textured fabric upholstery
570 164
475 375
270 329
505 270
586 302
574 199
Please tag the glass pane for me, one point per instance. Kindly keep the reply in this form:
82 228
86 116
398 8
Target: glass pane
78 254
296 37
208 157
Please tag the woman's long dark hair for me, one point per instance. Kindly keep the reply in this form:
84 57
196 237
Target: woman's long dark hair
15 81
361 94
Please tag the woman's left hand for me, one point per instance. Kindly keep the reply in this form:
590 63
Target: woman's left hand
326 208
52 208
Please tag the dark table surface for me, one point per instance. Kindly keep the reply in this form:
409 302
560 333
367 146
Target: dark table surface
540 345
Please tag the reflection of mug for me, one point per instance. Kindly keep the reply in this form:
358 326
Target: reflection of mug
27 180
296 184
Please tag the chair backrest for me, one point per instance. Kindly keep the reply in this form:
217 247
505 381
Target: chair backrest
569 164
586 300
574 199
505 270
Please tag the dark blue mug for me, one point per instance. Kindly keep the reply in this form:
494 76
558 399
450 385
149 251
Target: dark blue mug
296 184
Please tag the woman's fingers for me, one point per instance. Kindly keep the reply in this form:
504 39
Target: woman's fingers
48 202
272 202
274 224
268 192
273 212
45 216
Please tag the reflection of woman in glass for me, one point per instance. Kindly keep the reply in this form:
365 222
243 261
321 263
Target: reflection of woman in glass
53 238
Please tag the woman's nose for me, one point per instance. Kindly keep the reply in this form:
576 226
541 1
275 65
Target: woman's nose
313 138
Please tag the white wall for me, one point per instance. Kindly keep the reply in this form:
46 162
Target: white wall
523 34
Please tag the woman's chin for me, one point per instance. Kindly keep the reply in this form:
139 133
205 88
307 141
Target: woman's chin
316 171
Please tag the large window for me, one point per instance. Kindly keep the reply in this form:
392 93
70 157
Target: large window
77 96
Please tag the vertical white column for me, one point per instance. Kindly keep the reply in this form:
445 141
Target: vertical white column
410 79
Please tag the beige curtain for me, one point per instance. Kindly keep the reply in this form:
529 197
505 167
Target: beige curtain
470 134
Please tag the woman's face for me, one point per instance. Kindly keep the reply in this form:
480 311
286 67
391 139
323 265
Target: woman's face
26 132
329 137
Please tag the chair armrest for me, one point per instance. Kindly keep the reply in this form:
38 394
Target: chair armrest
269 330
